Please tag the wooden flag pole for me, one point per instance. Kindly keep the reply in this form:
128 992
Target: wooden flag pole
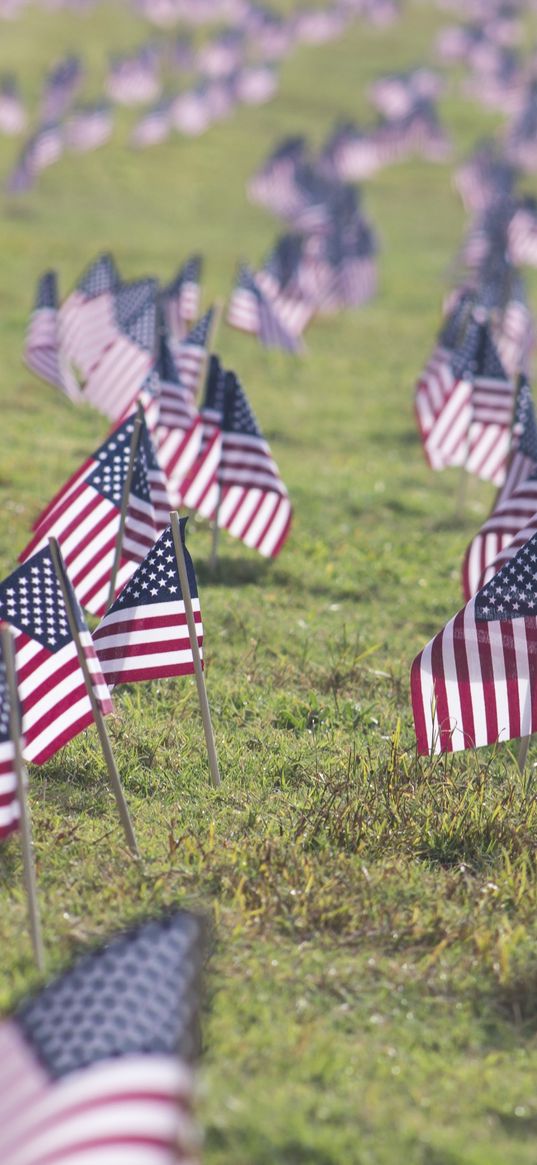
97 714
28 862
193 636
135 441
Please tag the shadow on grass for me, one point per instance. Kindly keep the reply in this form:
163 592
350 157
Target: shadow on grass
232 572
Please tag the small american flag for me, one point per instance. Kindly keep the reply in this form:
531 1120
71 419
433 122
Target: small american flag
128 349
85 517
516 503
88 128
96 1066
475 683
175 442
493 398
9 804
250 310
181 297
55 704
154 127
59 88
83 318
235 480
41 342
191 354
144 635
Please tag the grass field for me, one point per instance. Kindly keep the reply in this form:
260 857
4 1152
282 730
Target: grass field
371 992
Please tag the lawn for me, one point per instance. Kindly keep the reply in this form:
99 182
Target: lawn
371 988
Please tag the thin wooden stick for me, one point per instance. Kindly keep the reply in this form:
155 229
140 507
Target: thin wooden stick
193 636
30 880
523 749
135 441
97 714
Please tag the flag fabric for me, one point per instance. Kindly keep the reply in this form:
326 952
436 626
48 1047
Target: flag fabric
235 481
144 635
9 803
41 342
250 310
85 516
128 349
60 88
523 449
492 401
176 433
181 297
96 1067
442 410
191 354
12 112
54 701
85 317
153 127
514 334
88 128
475 683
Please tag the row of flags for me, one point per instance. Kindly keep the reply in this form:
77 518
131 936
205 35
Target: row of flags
237 65
118 345
311 24
498 75
475 682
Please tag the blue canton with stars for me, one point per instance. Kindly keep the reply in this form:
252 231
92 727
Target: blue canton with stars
47 291
135 306
200 332
465 360
238 416
489 363
512 593
190 272
138 995
157 579
215 388
31 600
101 276
113 456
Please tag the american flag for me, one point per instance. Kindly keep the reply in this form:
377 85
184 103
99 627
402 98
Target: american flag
154 127
128 349
515 506
191 354
54 700
85 516
235 480
84 316
135 79
273 184
59 88
279 280
523 449
435 385
9 804
522 234
493 399
514 334
42 149
475 682
181 297
250 310
41 342
89 127
144 635
190 111
256 84
176 443
97 1065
